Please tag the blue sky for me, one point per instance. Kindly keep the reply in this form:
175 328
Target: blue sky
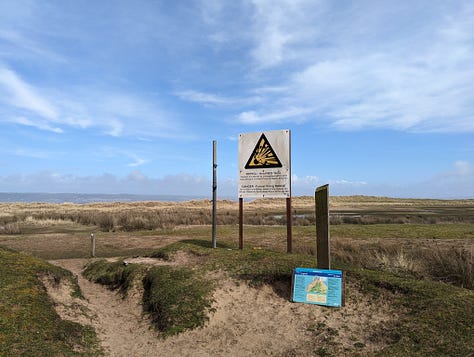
127 96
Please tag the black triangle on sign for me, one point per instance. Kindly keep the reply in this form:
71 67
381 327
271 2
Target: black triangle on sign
263 156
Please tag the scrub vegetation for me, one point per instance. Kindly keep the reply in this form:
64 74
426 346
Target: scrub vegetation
418 254
29 325
134 216
435 318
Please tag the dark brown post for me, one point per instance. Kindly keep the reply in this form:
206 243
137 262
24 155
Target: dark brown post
323 256
241 223
289 225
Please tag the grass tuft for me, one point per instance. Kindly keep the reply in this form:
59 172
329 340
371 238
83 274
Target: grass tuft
176 299
29 325
116 275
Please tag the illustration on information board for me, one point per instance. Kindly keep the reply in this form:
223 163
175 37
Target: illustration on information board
263 156
317 290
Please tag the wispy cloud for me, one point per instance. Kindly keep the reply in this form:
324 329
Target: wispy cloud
17 46
418 81
36 123
22 95
129 157
113 113
137 161
280 31
31 153
287 113
205 98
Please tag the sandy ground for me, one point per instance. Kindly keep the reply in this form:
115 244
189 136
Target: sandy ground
247 321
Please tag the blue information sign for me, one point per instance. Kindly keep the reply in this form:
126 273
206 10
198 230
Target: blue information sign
318 286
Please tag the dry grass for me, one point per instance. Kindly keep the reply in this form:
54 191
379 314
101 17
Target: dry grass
444 263
434 248
133 216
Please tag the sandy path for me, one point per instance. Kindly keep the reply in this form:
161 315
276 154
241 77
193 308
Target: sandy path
118 322
247 322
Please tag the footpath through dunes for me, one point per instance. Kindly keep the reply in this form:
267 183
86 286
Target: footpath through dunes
246 321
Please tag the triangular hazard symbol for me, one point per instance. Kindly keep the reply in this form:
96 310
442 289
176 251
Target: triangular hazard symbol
263 155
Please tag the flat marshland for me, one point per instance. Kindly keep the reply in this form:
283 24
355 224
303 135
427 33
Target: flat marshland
408 263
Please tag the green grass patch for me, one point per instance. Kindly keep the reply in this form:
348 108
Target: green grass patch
435 318
252 264
177 299
432 231
439 319
29 325
408 231
116 275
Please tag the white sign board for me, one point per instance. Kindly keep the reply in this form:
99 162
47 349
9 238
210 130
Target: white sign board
264 164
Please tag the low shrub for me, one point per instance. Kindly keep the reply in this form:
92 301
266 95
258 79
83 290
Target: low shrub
175 299
454 266
10 228
116 275
29 324
105 221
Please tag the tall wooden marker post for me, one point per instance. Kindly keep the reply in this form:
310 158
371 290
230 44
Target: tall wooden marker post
265 172
323 254
214 193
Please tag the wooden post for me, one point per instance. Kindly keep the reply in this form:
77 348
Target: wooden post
323 257
92 245
241 223
214 193
289 225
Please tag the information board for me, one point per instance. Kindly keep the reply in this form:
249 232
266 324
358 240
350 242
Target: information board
264 164
318 286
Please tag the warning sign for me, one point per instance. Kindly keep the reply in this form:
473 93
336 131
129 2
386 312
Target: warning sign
264 164
263 155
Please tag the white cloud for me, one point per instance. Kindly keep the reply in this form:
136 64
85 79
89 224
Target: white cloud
108 152
134 183
39 124
17 46
279 28
22 95
463 168
457 183
356 74
137 161
462 171
289 113
113 113
205 98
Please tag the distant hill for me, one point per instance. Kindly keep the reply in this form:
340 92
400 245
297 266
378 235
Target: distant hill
88 198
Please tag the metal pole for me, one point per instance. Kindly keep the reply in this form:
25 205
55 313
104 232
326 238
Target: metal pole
241 223
289 216
214 193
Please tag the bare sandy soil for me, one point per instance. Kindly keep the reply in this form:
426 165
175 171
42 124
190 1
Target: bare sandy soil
246 321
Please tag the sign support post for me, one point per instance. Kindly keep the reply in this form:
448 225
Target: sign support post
289 226
241 223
